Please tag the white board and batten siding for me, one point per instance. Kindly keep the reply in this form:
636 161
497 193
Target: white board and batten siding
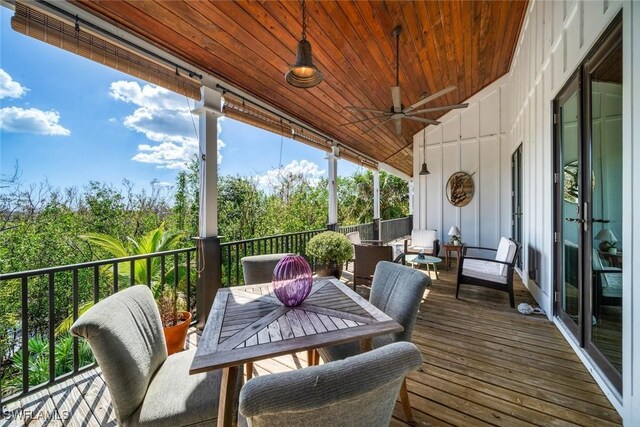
469 140
517 109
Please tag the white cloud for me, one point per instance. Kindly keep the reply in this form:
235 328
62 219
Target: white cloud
31 120
10 88
166 121
309 170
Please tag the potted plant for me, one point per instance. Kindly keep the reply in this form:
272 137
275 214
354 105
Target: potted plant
175 319
331 250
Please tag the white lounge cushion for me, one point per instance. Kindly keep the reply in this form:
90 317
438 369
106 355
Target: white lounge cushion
505 253
485 270
423 240
354 237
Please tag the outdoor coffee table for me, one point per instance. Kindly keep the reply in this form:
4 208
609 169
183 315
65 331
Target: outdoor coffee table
248 323
426 260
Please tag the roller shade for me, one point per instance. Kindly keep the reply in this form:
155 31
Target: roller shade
54 31
238 109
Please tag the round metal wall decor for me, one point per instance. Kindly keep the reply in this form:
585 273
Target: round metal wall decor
460 189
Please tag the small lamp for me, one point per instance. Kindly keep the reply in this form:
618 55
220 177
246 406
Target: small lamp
608 240
454 232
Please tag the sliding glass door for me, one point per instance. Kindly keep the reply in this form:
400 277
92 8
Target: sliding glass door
588 205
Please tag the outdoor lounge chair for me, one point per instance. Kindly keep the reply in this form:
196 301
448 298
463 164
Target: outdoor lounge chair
423 241
354 238
259 268
494 273
147 388
367 258
397 290
358 391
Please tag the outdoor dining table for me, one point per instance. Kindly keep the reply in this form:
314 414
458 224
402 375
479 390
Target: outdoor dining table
248 323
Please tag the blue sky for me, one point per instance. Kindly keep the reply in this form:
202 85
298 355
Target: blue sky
69 120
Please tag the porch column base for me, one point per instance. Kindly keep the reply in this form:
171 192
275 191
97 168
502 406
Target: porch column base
332 227
376 229
210 278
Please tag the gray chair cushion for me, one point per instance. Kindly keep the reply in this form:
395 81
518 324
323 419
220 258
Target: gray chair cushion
175 398
126 338
358 391
259 268
397 290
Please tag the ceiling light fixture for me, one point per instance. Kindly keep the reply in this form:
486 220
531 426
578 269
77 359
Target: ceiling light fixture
424 170
303 73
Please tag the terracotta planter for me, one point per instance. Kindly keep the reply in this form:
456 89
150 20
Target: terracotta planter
176 335
332 269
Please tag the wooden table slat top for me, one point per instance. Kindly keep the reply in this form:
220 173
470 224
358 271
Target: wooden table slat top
249 323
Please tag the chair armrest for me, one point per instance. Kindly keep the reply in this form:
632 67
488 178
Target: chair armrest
401 259
373 242
508 264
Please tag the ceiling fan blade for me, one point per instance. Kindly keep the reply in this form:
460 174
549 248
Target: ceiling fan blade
430 98
444 107
395 94
398 127
378 125
370 110
360 121
422 120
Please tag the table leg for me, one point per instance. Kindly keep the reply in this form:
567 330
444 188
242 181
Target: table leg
366 345
228 385
447 255
435 269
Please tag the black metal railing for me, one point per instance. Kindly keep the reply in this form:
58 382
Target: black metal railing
63 293
390 229
393 229
365 230
233 252
48 298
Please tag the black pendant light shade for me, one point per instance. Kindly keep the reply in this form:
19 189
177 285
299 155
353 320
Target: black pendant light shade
303 73
424 170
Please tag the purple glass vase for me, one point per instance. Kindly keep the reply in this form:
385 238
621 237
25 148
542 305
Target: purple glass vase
292 280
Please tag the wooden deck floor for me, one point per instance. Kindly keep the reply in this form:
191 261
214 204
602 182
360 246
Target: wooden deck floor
484 364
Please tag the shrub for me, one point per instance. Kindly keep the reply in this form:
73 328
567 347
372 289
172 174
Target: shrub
329 247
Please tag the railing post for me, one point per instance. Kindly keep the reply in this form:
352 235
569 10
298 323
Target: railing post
209 264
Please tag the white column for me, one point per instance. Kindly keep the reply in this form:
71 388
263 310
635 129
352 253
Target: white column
208 109
376 195
332 160
411 197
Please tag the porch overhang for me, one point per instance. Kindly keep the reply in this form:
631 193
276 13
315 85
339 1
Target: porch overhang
250 45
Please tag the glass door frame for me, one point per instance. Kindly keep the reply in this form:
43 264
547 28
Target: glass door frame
611 41
580 81
516 199
576 329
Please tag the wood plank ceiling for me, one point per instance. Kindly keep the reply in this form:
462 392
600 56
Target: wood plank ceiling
251 44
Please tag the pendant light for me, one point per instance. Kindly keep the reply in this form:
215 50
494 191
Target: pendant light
304 73
424 170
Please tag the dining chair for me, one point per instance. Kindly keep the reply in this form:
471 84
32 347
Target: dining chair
259 268
494 273
358 391
397 290
147 387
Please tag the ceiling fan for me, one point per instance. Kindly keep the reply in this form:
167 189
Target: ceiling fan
397 113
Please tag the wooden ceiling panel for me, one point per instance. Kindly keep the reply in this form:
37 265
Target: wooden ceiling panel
251 44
